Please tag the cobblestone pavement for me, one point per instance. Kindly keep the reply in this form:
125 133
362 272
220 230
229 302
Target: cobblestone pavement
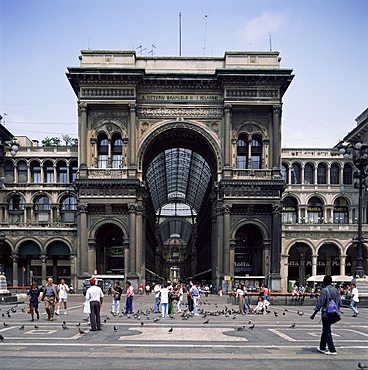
141 343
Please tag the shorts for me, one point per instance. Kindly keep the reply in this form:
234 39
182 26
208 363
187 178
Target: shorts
63 300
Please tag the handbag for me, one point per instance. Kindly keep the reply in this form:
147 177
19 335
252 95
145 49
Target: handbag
29 309
332 310
86 307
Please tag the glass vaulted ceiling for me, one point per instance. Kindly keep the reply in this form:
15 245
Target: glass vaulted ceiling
177 179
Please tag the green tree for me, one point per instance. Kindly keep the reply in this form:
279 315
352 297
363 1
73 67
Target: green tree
51 141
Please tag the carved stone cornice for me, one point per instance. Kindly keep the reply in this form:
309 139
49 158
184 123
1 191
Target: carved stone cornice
277 208
133 208
164 112
106 93
107 183
226 209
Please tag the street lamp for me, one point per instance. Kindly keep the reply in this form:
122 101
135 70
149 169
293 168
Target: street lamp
358 152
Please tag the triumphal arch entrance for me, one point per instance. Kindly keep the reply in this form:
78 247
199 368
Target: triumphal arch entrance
179 166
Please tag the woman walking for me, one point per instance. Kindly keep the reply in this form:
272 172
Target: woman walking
33 295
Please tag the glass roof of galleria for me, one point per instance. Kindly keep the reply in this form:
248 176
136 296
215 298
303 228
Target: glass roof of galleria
177 179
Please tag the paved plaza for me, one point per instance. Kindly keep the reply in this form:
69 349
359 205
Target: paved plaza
222 343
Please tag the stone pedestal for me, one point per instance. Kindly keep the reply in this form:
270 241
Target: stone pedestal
5 296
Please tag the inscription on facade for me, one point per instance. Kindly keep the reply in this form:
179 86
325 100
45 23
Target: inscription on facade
179 97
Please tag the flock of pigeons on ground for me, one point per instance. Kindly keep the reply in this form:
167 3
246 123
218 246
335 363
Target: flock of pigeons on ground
140 314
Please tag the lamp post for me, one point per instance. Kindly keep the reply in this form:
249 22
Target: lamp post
358 152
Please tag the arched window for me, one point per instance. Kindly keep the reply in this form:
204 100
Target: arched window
289 210
242 152
321 174
175 254
42 209
348 174
62 172
16 209
308 174
73 170
334 174
68 209
48 171
285 172
256 149
36 172
22 172
296 172
315 211
117 151
341 211
9 172
103 151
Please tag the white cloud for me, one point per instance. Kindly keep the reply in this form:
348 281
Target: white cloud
260 26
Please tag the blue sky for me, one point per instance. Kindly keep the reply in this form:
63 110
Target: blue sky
324 42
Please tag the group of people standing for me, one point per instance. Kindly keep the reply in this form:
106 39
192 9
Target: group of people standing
169 297
245 300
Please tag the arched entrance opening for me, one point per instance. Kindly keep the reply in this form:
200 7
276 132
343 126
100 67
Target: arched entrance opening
110 250
29 263
6 264
351 259
328 262
179 166
58 261
249 259
299 264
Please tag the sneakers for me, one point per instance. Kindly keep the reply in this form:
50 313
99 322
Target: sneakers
356 314
196 314
321 350
331 353
65 312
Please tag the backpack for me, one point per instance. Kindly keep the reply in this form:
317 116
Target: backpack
332 310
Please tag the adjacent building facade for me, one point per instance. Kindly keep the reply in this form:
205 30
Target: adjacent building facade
178 174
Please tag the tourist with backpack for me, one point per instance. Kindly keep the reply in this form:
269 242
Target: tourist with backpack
329 302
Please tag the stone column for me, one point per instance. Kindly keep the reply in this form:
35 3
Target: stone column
276 144
226 139
92 257
328 263
314 265
342 264
275 245
132 210
82 238
220 242
132 132
302 270
284 272
15 258
139 245
43 258
126 258
73 271
232 256
266 259
227 218
82 139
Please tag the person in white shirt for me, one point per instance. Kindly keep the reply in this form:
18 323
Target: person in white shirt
156 291
354 299
63 290
164 300
94 296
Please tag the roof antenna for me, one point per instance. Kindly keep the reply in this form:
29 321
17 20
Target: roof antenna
205 35
152 51
140 49
89 40
270 41
179 34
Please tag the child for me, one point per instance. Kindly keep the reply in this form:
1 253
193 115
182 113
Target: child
248 305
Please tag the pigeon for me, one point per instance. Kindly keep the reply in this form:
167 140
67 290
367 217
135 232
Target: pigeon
171 317
286 310
240 328
301 313
250 321
251 327
234 317
36 327
64 322
156 320
115 328
206 322
362 366
23 310
81 331
64 327
78 324
21 328
142 323
283 314
171 330
6 325
292 326
1 337
275 313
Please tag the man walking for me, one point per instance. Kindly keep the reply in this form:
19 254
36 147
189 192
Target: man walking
194 294
129 297
323 302
156 291
354 299
63 290
94 296
50 297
